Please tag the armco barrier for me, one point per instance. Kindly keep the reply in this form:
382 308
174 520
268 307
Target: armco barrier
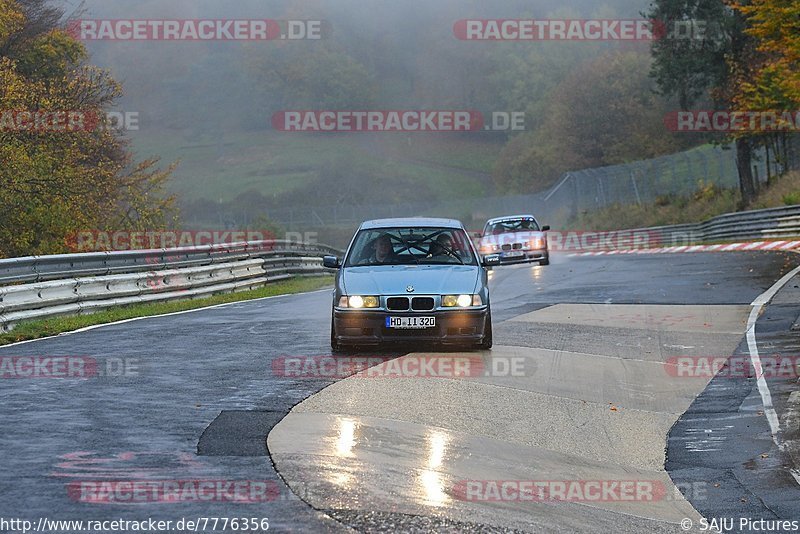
37 287
39 268
766 224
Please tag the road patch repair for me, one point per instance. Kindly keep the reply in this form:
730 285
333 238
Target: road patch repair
552 438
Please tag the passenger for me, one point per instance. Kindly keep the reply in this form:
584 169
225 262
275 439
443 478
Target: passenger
383 251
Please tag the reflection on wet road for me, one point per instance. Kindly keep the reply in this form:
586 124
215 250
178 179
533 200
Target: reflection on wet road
587 412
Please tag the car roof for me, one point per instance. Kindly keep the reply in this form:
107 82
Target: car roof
509 218
411 222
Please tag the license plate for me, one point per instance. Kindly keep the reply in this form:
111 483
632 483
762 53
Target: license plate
514 254
410 322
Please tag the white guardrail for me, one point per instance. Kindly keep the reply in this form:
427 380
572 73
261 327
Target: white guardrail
37 287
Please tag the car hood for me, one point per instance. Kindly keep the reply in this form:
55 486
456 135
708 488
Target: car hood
426 279
510 238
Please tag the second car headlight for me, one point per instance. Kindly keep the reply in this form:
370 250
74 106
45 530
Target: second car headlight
359 301
538 242
461 301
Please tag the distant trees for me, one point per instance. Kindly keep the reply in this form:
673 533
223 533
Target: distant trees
603 113
322 76
55 182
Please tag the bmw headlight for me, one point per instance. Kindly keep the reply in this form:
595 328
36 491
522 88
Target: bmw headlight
359 301
461 301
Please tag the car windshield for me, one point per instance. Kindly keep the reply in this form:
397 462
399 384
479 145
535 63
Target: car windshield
411 246
526 224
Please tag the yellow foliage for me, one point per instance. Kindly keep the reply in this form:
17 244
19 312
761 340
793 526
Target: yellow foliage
11 19
775 24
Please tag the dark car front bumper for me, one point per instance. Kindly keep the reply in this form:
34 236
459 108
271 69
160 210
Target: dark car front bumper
453 327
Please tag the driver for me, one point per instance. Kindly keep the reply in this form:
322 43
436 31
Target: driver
442 247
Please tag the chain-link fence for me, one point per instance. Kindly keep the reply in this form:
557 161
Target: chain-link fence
676 175
644 182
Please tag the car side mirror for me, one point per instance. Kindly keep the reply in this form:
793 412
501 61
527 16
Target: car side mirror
545 228
491 260
331 262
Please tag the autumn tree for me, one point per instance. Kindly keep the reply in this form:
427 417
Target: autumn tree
773 82
56 182
705 65
776 26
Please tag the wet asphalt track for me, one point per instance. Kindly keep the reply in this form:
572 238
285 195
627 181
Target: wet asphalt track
214 366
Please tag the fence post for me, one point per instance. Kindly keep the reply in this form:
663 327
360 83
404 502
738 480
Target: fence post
601 191
689 172
636 189
576 196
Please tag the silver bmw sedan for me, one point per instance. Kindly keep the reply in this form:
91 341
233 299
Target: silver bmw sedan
412 280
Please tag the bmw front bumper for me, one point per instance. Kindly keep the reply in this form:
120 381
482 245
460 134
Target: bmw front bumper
368 327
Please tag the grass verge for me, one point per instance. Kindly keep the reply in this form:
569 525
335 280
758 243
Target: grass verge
56 325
